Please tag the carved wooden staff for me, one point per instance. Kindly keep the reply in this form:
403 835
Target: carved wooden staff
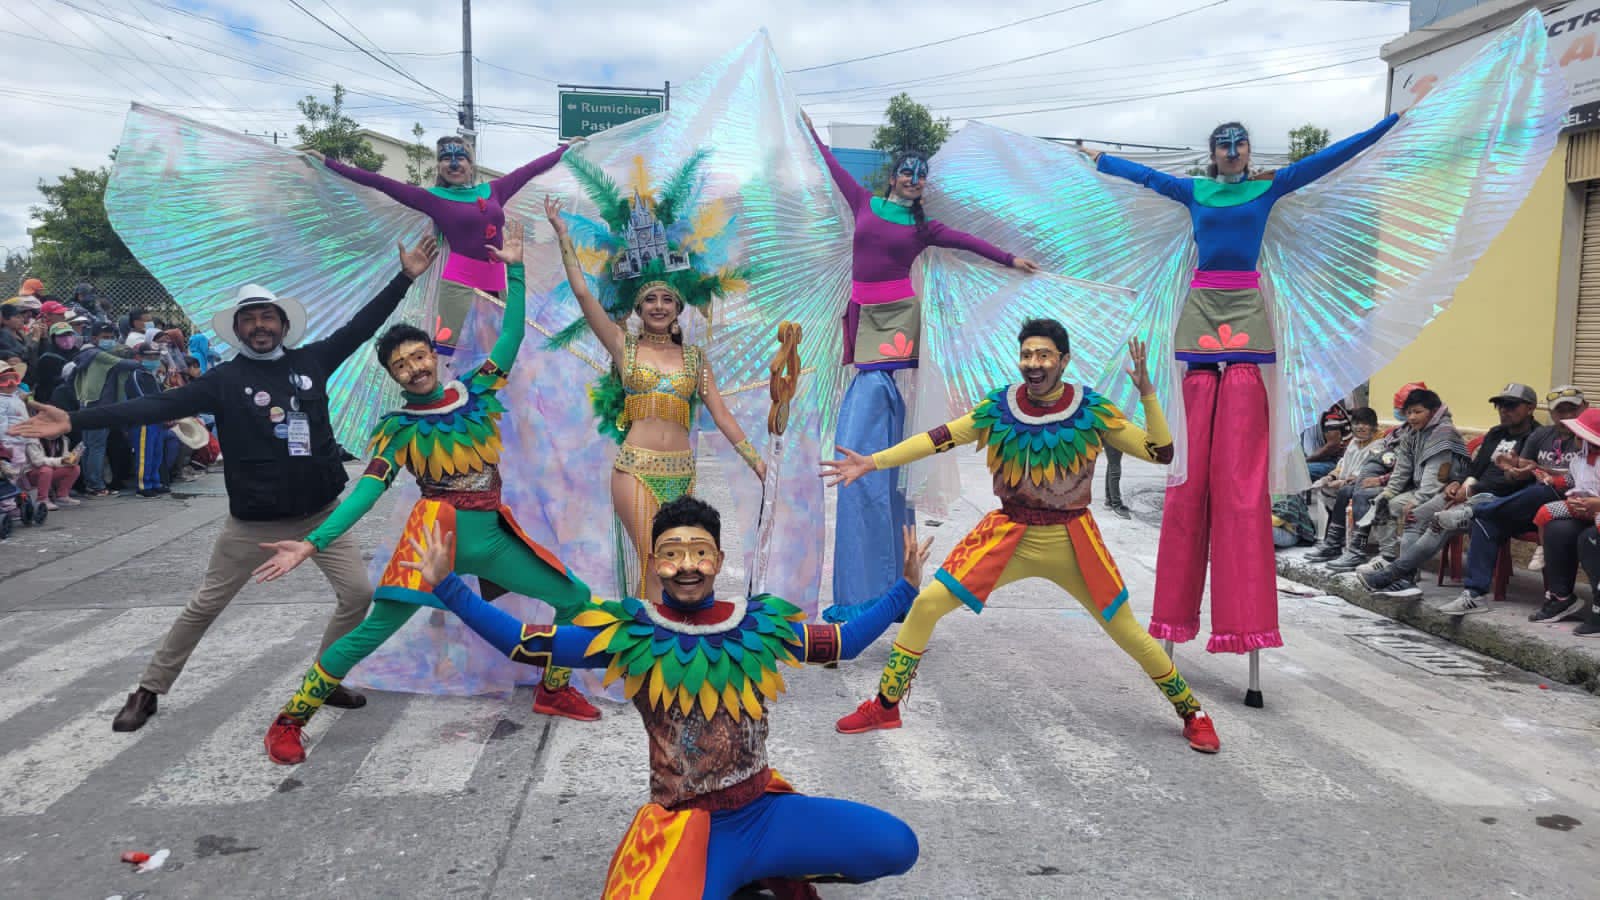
784 382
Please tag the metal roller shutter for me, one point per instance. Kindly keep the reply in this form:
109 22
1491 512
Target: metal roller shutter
1586 338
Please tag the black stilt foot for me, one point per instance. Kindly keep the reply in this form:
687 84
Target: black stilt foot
1253 700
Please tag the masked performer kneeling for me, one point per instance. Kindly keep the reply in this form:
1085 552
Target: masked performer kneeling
1042 438
448 435
701 669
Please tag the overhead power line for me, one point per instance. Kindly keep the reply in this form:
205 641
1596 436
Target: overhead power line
948 40
382 62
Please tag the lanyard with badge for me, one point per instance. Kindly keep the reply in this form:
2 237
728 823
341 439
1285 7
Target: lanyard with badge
298 434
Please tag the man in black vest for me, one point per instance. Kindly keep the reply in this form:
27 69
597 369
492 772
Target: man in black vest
282 465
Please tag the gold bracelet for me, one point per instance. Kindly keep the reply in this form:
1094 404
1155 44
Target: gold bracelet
748 454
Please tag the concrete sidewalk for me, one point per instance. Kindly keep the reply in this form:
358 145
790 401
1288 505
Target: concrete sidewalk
1503 632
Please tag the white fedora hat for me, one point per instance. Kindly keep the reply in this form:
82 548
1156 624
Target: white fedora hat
256 295
192 433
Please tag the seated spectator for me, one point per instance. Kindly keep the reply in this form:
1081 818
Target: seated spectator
51 471
1550 451
1339 486
1325 444
1425 451
1291 521
1485 481
1565 523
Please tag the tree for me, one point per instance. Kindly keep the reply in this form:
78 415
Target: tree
1306 140
420 169
335 135
910 127
74 238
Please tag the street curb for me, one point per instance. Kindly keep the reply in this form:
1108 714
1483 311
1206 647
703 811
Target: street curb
1578 666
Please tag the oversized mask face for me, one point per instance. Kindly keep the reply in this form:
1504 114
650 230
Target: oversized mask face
687 560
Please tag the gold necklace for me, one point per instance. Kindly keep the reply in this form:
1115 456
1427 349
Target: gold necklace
650 337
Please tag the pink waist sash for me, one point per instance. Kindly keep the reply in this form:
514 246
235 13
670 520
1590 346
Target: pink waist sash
874 292
1226 281
489 276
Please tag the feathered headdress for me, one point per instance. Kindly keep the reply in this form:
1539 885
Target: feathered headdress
643 239
649 238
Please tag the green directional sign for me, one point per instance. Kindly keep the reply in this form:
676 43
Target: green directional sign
590 112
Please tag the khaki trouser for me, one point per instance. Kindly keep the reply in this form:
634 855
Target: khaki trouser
235 555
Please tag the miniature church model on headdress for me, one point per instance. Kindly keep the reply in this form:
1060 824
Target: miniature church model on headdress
644 243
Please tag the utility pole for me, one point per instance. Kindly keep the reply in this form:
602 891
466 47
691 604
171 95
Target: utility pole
469 128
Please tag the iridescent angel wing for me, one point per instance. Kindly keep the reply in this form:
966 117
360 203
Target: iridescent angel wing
206 210
1087 232
1356 264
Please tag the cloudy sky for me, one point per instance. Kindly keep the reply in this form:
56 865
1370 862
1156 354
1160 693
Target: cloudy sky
1170 69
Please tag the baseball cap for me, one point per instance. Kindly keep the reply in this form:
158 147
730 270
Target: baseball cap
1565 395
61 328
31 286
1516 393
52 308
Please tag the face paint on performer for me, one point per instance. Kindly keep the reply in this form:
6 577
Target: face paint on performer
1042 366
910 177
415 367
687 560
658 308
455 163
261 327
1230 150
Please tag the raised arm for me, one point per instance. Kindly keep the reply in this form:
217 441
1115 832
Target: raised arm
1299 174
1153 443
609 332
726 423
407 194
506 186
919 446
830 643
506 345
1179 189
942 235
854 192
333 350
286 555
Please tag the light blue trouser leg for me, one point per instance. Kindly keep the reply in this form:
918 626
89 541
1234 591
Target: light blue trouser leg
868 546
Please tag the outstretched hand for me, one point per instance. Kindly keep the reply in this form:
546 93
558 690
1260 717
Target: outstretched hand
1139 371
916 555
511 252
315 155
552 211
47 422
433 557
415 261
1026 265
286 555
844 471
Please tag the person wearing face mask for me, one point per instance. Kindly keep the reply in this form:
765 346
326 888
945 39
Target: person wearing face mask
469 217
702 669
883 340
1221 510
448 435
283 472
61 345
1043 528
95 377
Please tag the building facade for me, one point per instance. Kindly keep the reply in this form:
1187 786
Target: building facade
1530 310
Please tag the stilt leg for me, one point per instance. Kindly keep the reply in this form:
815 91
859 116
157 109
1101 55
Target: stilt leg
1167 646
1252 697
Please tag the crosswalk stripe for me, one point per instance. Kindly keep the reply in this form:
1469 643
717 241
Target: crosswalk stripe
432 748
608 758
230 765
1281 774
34 678
19 628
925 761
1472 732
55 764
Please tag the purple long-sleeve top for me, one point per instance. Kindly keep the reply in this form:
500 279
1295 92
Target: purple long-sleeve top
1229 234
884 250
468 217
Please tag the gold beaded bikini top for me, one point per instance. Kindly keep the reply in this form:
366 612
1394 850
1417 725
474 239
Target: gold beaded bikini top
654 394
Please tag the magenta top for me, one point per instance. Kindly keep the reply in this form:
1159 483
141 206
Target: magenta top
884 250
467 217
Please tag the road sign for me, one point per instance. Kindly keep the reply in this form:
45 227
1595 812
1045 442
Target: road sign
590 112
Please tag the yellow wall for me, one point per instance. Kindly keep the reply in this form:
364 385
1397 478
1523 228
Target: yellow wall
1501 325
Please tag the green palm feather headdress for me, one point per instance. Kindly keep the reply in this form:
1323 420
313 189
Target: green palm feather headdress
646 238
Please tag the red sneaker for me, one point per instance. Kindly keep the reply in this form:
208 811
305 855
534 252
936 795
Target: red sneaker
284 744
870 716
565 702
1202 735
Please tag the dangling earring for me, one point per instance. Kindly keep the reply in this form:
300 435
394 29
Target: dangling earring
676 329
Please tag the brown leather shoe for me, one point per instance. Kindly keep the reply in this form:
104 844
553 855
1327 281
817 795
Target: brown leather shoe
344 698
140 707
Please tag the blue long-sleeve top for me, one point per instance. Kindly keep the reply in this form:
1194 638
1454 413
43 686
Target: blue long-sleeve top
1230 219
567 645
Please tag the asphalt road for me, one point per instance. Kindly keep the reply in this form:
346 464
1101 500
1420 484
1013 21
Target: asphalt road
1036 760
